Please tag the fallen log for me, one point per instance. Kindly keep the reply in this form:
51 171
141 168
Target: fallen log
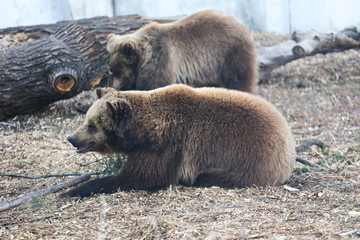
58 62
304 44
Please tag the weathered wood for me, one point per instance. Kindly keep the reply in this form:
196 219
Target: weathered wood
99 27
305 44
49 69
22 199
274 56
64 60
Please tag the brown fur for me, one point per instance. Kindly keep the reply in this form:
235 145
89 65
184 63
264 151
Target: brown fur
208 48
177 134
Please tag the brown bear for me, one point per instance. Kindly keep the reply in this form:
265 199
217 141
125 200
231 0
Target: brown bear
208 48
183 135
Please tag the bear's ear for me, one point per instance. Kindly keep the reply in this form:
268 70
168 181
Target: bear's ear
120 111
100 92
129 50
111 43
110 36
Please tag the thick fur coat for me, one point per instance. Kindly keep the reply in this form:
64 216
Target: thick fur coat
180 135
208 48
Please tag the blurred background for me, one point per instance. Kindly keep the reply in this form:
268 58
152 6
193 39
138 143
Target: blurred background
283 16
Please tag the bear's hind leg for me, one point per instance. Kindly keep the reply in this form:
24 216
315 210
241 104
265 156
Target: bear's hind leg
240 70
215 177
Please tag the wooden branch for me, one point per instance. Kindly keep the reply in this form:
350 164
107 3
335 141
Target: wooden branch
48 175
310 142
355 232
274 56
307 162
22 199
8 125
305 44
322 42
306 145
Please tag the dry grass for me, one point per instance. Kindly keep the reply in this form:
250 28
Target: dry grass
320 97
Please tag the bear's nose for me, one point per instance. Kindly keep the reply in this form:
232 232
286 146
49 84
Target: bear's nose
71 140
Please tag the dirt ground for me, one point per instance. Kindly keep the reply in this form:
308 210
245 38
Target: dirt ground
320 97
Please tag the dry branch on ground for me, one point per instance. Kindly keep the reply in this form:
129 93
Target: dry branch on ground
22 199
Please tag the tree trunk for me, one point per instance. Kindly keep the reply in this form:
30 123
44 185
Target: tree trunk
58 65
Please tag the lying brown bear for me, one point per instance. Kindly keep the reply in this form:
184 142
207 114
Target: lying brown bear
208 48
180 135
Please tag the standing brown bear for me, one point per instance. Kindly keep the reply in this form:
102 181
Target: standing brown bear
208 48
181 135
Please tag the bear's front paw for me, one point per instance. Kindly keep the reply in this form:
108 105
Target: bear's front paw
99 185
76 192
65 195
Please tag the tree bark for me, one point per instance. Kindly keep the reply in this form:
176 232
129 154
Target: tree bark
99 27
58 65
305 44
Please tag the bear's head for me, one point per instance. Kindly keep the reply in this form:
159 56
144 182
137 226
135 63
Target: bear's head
124 60
104 126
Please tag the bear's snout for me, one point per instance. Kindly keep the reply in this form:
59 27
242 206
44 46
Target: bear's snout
72 140
80 145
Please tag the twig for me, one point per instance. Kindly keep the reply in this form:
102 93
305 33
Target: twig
308 143
102 221
47 176
8 124
86 164
21 199
356 232
307 162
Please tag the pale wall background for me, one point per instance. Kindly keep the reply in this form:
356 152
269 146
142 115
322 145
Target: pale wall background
282 16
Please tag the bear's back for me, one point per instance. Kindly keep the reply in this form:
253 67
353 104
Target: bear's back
219 108
209 48
216 101
206 21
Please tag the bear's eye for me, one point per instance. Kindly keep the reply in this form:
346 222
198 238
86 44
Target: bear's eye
92 127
